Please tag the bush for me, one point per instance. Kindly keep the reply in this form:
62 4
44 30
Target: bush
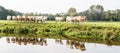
24 30
8 30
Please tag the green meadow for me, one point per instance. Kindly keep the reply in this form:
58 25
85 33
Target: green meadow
83 30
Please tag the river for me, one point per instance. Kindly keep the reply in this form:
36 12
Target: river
45 45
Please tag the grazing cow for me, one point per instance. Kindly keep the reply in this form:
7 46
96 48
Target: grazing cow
32 18
58 19
44 19
9 17
24 18
38 18
19 18
14 18
69 19
29 18
41 18
79 19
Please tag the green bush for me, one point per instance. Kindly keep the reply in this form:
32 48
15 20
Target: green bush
24 30
8 30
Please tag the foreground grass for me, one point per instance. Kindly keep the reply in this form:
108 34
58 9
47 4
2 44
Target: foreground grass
85 30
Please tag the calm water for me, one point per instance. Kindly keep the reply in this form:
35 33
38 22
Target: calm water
43 45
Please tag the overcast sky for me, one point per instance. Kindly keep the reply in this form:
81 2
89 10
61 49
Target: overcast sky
57 6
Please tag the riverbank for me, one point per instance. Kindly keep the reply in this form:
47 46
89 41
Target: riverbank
86 30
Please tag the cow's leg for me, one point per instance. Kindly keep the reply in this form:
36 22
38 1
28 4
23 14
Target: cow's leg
42 21
56 21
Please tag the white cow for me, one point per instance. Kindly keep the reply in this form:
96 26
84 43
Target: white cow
9 17
41 18
38 18
31 18
14 17
58 19
44 19
69 19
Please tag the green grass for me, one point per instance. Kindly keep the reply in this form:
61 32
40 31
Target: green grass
104 24
85 30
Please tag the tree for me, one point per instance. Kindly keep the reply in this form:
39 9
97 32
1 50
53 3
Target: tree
96 12
4 12
118 14
51 17
72 12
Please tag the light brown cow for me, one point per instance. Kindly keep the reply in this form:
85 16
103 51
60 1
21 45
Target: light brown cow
79 19
58 41
19 18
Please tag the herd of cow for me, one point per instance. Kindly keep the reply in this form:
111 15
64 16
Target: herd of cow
43 19
24 18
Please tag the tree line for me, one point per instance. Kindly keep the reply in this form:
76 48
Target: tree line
97 13
4 12
93 13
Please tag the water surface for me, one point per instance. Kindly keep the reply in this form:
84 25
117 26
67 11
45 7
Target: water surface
45 45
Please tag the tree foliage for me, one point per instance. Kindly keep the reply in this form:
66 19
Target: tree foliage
72 12
4 12
93 13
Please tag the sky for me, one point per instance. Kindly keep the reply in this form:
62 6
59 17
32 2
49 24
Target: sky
57 6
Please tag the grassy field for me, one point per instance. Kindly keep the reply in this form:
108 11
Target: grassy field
104 24
85 30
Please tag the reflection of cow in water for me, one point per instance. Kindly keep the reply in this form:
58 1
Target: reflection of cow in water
8 40
70 44
43 42
77 45
58 41
25 41
80 46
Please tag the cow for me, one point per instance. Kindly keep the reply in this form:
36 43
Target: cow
45 19
24 18
58 19
14 18
19 18
32 18
69 19
40 18
9 17
79 19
